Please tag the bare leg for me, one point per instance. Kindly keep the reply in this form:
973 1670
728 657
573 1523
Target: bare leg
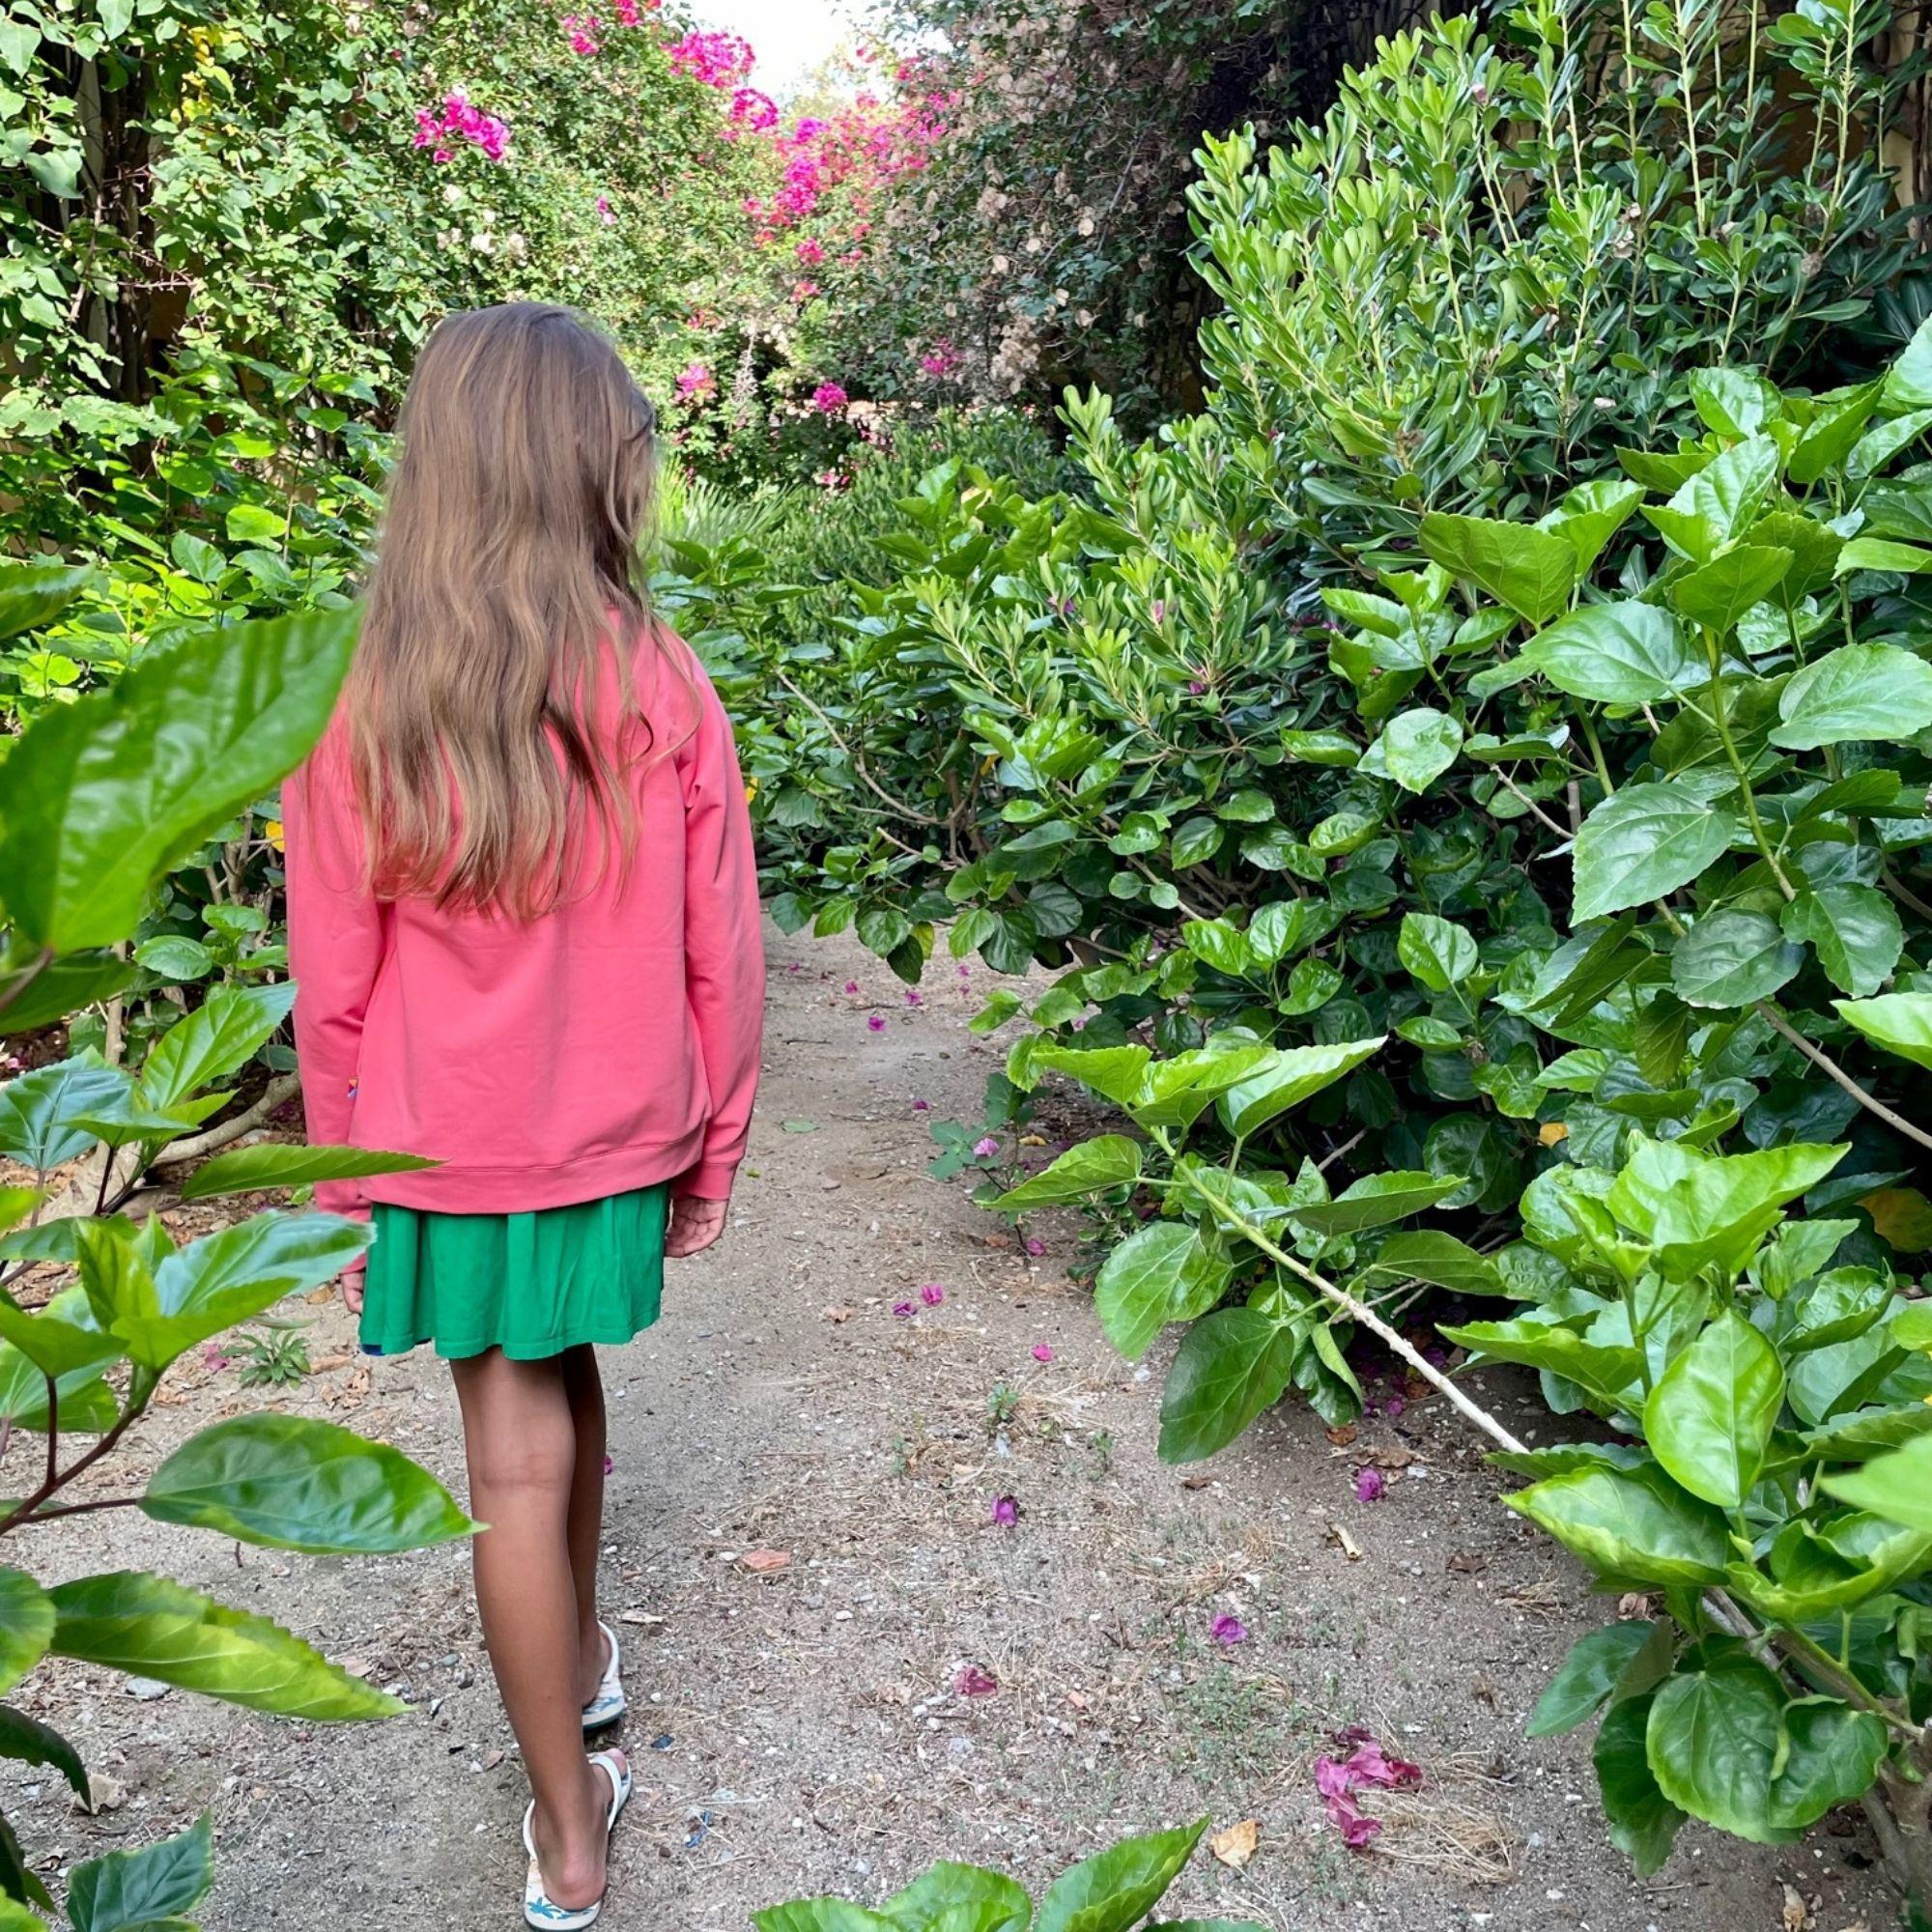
584 1389
522 1448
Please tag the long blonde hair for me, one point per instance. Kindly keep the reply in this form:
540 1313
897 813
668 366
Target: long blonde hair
507 579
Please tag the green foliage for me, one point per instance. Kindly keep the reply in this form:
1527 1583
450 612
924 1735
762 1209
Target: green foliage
101 795
1113 1891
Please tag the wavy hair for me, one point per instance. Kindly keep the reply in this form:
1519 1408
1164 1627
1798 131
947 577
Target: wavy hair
487 764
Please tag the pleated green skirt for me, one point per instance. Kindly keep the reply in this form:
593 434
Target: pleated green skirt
531 1285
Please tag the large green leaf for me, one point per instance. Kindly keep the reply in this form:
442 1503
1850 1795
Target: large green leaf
1724 496
1114 1072
1105 1161
1176 1091
997 1903
1642 843
1375 1201
1709 1416
1712 1742
1607 1368
1908 384
101 796
219 1038
1830 1757
1858 691
1230 1367
1899 1022
1643 1823
1624 653
290 1483
133 1621
1732 959
822 1915
127 1891
26 1626
1436 951
61 987
1418 747
1590 515
284 1164
1426 1254
1119 1886
1696 1208
1629 1526
1896 1486
41 1111
1719 593
228 1276
1286 1078
1160 1273
1531 571
1856 931
1585 1678
33 594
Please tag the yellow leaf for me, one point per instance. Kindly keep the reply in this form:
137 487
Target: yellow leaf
1552 1132
1236 1846
1902 1217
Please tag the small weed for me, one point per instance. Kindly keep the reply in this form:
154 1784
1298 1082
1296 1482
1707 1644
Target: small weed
277 1357
1100 1447
1001 1405
1232 1727
901 1454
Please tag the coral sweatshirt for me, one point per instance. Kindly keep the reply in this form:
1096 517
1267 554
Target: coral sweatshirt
607 1045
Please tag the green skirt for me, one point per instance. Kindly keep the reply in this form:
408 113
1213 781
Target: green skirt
531 1285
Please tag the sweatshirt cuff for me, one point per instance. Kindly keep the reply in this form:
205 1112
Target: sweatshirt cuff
708 1180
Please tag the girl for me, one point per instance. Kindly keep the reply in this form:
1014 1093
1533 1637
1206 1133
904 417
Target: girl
524 919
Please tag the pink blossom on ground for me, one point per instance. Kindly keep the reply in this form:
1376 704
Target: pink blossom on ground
876 1024
1370 1485
1229 1630
1034 1246
903 1310
970 1681
1338 1784
1394 1406
921 1106
851 985
932 1294
213 1359
914 998
608 1464
1006 1511
1042 1352
828 398
984 1146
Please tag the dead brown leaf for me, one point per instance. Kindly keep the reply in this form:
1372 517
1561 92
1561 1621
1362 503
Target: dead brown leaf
1238 1844
1342 1436
766 1562
1467 1563
1797 1913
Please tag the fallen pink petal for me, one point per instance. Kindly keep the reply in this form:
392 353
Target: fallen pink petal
1006 1511
609 1465
851 985
986 1145
1034 1245
932 1294
876 1024
1229 1630
1042 1352
902 1309
1370 1485
971 1681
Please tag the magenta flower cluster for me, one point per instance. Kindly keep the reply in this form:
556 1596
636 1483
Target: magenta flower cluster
459 120
718 60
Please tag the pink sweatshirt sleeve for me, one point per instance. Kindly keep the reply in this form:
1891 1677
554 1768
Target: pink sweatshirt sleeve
725 964
335 948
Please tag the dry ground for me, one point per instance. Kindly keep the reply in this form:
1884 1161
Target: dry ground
796 1729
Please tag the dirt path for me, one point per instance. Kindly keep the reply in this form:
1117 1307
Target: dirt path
798 1731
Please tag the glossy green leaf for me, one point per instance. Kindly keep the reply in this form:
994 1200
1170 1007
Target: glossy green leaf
1725 494
1696 1209
1608 1369
281 1164
1530 570
1896 1486
1118 1888
1899 1022
1634 1525
219 1038
822 1915
33 594
1712 1742
1590 515
1158 1274
40 1112
1230 1367
1731 958
1830 436
1436 952
1830 1757
1709 1418
27 1741
1375 1201
104 794
1286 1078
1642 845
1586 1677
290 1483
1877 692
1878 554
1624 653
1105 1161
1854 930
129 1620
997 1902
1418 747
1424 1254
1719 592
26 1626
127 1891
61 987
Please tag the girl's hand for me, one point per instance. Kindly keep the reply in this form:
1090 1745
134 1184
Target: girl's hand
352 1280
694 1224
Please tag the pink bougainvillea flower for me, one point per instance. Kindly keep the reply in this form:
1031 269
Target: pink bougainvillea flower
1339 1782
605 212
1195 687
932 1294
965 972
903 1310
1370 1485
914 998
921 1106
1394 1406
810 252
1157 610
1034 1246
984 1146
941 359
581 30
828 398
1042 1352
213 1359
1006 1511
970 1681
851 985
876 1023
609 1465
1229 1630
1369 1764
695 382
